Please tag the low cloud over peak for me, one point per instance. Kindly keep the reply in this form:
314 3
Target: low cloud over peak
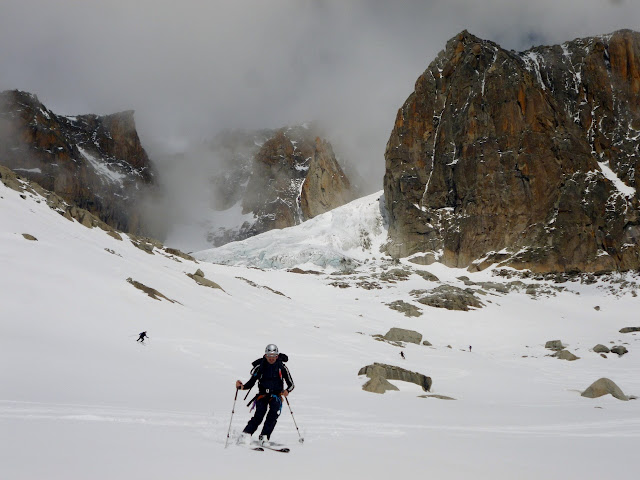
192 68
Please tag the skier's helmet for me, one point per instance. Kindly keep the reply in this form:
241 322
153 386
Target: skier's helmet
271 349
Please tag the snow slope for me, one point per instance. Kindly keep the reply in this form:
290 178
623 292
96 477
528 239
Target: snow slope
79 398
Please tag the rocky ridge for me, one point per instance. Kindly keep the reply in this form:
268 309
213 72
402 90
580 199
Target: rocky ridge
71 212
527 159
94 162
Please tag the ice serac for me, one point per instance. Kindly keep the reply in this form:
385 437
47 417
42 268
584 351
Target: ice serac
524 159
95 162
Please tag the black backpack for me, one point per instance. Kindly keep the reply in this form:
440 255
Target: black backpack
262 365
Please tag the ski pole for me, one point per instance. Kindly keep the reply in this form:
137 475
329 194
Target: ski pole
245 397
233 410
294 420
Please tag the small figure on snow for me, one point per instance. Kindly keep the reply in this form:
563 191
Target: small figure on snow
142 337
269 371
402 355
469 347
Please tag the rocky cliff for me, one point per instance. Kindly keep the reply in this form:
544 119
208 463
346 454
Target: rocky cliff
94 162
326 186
525 159
289 176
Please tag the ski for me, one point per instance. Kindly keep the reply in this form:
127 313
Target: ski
277 449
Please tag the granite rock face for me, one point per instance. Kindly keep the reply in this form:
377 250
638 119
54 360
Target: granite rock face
326 186
529 160
94 162
280 177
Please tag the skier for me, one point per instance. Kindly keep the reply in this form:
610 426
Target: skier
142 337
469 347
402 355
269 371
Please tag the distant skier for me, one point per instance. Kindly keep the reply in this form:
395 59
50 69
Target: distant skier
269 371
142 336
402 355
469 347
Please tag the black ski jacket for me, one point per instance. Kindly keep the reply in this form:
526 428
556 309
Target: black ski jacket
270 377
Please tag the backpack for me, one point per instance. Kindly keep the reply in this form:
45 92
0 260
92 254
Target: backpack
261 365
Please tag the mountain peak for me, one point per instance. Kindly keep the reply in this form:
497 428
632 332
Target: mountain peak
95 162
526 159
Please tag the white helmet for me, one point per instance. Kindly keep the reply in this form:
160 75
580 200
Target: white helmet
271 349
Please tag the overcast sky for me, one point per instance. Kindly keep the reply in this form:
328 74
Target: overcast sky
189 68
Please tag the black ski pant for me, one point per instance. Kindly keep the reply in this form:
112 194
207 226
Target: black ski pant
274 404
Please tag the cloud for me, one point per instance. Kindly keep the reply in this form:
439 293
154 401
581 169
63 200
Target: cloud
193 67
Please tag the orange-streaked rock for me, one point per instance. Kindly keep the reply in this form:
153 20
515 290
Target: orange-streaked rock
499 151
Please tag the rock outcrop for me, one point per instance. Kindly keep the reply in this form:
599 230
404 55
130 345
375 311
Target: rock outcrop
599 348
408 309
326 186
629 329
380 371
619 350
565 355
528 159
94 162
604 386
69 211
449 297
378 384
200 279
396 334
554 345
152 292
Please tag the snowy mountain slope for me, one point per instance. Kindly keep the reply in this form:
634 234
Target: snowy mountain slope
79 397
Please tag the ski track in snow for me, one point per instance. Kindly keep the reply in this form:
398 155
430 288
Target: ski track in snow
94 413
208 424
